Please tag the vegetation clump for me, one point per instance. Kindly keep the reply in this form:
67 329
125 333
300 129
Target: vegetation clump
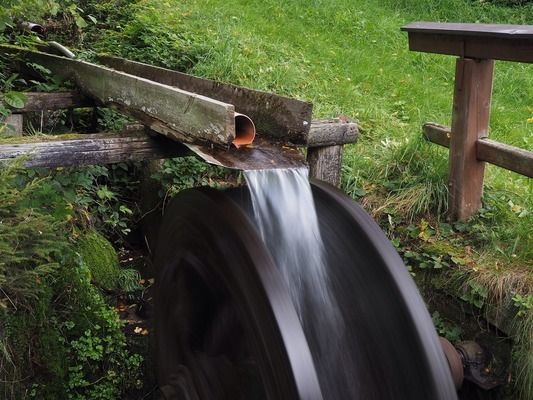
101 259
58 337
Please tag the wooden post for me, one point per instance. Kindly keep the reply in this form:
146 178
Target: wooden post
325 163
16 124
150 203
470 122
324 152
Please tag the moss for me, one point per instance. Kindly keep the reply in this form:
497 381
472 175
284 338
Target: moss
101 259
39 138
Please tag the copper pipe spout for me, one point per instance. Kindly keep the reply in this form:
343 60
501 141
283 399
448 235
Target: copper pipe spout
244 130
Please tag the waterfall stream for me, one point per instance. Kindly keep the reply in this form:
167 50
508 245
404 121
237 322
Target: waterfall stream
285 215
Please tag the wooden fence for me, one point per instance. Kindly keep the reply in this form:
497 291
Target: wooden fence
477 46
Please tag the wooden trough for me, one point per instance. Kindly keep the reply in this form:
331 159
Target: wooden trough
179 114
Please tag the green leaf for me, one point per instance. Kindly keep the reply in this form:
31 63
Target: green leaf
93 20
4 112
15 99
80 22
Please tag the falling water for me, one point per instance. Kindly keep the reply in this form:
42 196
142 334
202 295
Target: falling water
285 214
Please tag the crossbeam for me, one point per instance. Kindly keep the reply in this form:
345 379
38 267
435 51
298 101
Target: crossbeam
136 145
90 149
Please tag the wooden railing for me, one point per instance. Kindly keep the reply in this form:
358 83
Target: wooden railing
477 46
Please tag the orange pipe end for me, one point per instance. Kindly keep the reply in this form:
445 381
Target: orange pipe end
244 130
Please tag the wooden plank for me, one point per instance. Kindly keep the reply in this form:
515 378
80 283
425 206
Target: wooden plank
325 163
472 30
438 134
506 43
170 111
505 156
278 117
79 150
55 101
332 132
470 121
499 154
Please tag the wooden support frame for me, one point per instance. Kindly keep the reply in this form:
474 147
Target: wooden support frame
14 124
141 98
325 148
37 101
325 163
136 145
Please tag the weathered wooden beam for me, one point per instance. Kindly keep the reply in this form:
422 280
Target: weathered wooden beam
503 155
55 101
173 112
479 41
325 163
281 118
80 149
332 132
438 134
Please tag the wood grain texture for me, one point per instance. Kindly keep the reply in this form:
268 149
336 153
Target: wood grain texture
275 116
470 121
325 163
79 150
437 133
173 112
502 155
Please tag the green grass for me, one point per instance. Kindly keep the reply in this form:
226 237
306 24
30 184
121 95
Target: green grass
350 58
